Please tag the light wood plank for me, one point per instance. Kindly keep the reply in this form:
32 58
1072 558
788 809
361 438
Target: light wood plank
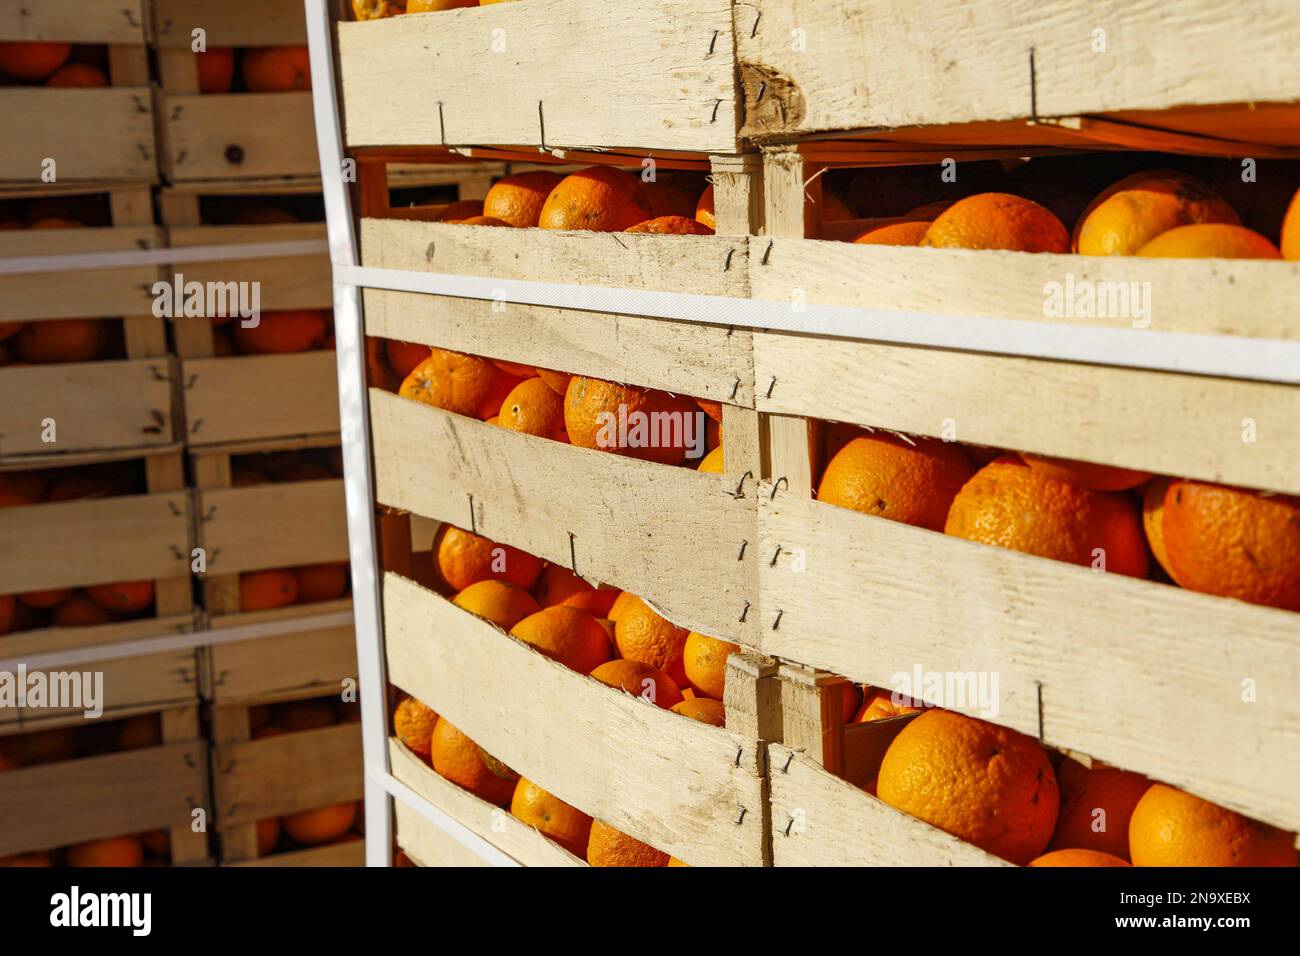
285 774
351 852
677 784
425 845
240 135
187 845
311 663
285 282
1139 674
74 21
47 123
272 526
255 397
229 23
89 293
677 536
131 685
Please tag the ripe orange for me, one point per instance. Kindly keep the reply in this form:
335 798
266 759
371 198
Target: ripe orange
77 76
1096 805
878 704
277 69
460 210
532 408
640 680
279 332
503 604
671 226
460 383
1233 542
609 847
637 422
124 597
216 69
1086 474
621 604
321 825
465 764
61 340
477 221
518 200
157 843
673 193
463 558
1153 519
553 818
913 481
122 851
405 356
1173 828
713 463
558 381
322 582
1291 229
704 212
599 198
1077 858
642 635
139 733
704 661
377 9
986 784
517 369
32 61
568 635
268 835
44 600
433 6
903 232
1010 505
1210 241
76 611
997 221
1133 211
704 710
559 585
413 723
263 590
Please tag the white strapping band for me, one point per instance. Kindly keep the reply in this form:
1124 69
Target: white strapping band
163 255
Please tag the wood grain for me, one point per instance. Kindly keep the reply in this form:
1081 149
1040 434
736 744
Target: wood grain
43 123
74 21
257 397
229 23
286 282
306 664
272 526
275 135
286 774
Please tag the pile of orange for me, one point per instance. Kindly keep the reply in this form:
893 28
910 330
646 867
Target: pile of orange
279 69
53 64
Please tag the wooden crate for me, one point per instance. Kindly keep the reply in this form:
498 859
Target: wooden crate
686 788
59 804
91 134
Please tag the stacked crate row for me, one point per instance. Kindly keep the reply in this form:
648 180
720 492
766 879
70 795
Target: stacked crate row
767 98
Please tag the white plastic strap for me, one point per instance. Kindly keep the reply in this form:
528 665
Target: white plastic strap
164 255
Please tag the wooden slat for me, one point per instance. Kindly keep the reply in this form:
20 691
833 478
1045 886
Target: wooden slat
673 535
351 852
1193 426
677 784
859 63
274 133
285 282
95 406
58 123
74 21
434 80
257 397
272 526
94 541
707 361
89 293
497 826
310 663
47 806
1139 674
820 820
229 23
702 265
53 640
287 773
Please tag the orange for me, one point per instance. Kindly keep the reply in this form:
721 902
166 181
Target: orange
518 200
551 816
532 408
1078 858
1085 474
465 764
626 420
460 383
913 481
673 193
704 710
44 600
41 747
277 69
268 835
32 61
7 613
599 198
610 847
124 597
61 340
322 825
77 75
1173 828
413 724
878 704
1096 806
558 381
216 69
997 221
671 226
321 582
986 784
477 221
460 210
123 851
377 9
903 232
1010 505
568 635
704 212
79 611
139 733
1210 241
1153 518
432 6
704 660
640 680
642 635
621 603
1290 230
405 356
517 369
157 843
559 585
279 332
503 604
1133 211
463 558
1233 542
712 463
262 590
